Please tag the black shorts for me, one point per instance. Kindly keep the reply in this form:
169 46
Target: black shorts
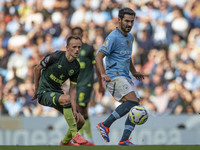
51 99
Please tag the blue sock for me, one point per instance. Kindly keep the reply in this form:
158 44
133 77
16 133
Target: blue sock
129 127
119 112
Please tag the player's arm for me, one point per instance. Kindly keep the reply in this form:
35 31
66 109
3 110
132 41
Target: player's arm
136 74
37 71
72 94
100 67
101 87
46 61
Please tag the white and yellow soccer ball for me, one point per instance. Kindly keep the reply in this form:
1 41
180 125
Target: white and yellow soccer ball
138 115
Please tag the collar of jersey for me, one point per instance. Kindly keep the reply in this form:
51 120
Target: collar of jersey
120 32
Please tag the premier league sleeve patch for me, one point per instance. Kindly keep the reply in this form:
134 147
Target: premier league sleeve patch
106 43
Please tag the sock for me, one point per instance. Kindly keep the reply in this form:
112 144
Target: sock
129 127
87 128
119 112
67 137
69 117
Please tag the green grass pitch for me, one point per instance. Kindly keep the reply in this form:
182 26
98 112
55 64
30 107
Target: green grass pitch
111 147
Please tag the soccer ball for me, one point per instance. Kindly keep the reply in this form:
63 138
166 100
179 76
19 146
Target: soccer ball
138 115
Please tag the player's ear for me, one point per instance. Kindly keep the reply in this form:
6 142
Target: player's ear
67 47
119 19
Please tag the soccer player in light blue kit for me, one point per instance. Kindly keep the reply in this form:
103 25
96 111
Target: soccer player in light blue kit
117 48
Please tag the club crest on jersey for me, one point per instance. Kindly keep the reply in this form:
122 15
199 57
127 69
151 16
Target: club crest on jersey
71 72
127 42
105 43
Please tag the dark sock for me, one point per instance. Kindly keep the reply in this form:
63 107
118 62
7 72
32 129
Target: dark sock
129 127
119 112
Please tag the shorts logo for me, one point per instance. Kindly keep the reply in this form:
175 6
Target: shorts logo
52 94
71 72
125 87
105 43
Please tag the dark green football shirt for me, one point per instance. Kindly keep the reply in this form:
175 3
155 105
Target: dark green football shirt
86 59
56 70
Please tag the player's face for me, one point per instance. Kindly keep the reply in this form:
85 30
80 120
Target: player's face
77 32
127 23
74 47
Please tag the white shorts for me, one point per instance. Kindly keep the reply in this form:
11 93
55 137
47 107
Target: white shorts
121 86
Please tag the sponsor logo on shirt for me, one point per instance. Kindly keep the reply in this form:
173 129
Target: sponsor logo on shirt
55 79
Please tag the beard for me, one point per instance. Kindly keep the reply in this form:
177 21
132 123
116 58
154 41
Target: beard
125 29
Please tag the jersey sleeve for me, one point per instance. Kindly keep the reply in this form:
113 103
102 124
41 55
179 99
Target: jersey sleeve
107 46
49 59
74 78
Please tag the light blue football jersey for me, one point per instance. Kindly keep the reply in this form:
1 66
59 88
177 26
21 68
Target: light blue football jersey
118 50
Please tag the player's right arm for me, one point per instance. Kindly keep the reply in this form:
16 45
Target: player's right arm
105 49
100 67
47 61
37 71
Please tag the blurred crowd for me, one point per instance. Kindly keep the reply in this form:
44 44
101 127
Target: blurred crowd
166 50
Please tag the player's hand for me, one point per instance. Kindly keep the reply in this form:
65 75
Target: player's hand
34 96
138 75
76 116
105 77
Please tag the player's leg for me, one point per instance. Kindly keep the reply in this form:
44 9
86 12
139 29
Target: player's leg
129 127
73 127
121 89
83 98
119 112
51 99
69 117
67 140
129 101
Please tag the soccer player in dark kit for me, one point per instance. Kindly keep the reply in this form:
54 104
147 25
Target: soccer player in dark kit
85 82
49 76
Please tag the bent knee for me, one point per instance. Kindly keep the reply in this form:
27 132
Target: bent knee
64 99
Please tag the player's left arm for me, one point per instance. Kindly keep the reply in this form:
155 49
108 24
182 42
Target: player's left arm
72 94
137 75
